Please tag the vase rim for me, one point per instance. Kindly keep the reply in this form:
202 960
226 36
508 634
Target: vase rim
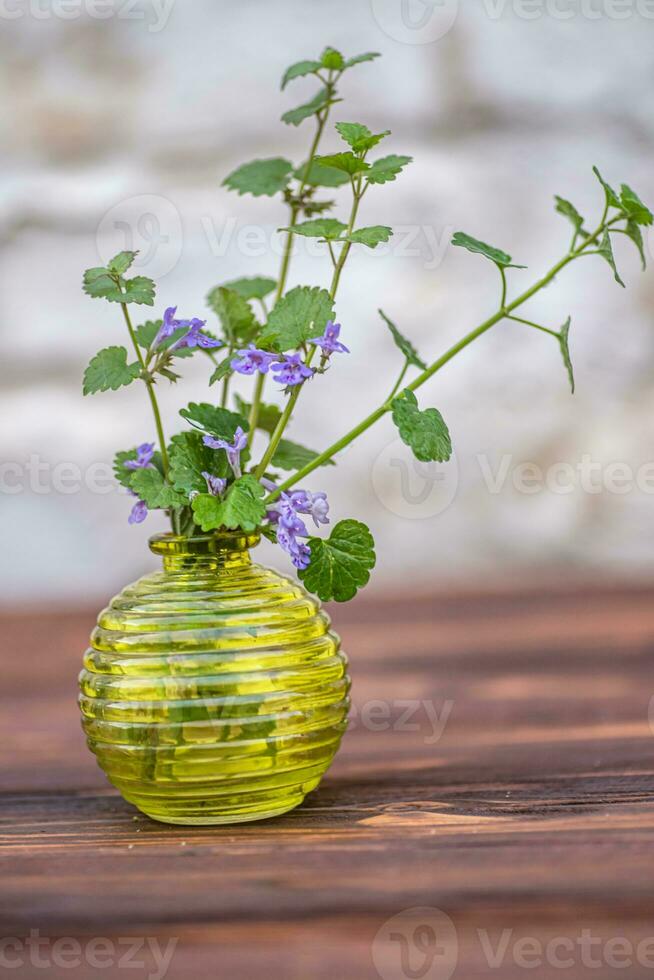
215 542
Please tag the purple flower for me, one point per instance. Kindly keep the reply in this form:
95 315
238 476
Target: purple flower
315 504
215 484
299 551
291 371
329 342
233 449
139 511
195 337
169 325
284 514
143 460
252 359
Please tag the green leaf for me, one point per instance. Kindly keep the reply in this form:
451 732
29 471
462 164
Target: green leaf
332 59
256 287
340 564
292 456
121 262
235 314
634 207
565 352
301 314
100 284
296 116
299 70
149 485
222 370
348 163
569 211
241 507
360 58
404 345
496 255
611 196
122 474
372 236
261 177
359 137
633 231
605 249
190 458
219 422
109 370
425 432
327 228
139 290
269 415
146 333
319 176
386 169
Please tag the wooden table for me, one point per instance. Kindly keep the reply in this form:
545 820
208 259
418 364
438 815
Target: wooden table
498 771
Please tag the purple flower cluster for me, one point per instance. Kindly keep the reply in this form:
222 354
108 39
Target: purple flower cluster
143 461
288 369
329 342
233 449
284 514
194 337
291 371
251 359
215 484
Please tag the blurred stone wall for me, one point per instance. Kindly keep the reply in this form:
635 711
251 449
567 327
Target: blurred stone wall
119 122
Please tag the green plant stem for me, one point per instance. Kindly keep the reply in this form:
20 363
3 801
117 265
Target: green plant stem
288 247
285 417
536 326
399 381
150 386
425 375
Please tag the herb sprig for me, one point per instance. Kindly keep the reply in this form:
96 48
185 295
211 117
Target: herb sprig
206 478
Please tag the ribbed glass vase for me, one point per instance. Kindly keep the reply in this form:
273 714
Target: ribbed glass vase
213 691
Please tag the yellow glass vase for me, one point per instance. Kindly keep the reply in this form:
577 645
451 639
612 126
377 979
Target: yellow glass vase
213 691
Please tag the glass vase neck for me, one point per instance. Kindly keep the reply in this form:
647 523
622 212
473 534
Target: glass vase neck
224 549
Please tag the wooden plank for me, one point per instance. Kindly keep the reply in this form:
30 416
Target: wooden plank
499 768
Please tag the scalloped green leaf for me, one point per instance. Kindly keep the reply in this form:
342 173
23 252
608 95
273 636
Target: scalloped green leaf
372 236
299 70
340 564
241 507
424 432
301 314
328 228
261 178
496 255
109 370
387 168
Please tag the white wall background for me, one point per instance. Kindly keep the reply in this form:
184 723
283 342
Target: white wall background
139 116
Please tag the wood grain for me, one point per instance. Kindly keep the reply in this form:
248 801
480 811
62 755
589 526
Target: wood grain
499 768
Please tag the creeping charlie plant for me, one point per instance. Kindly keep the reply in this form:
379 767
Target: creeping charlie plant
209 477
